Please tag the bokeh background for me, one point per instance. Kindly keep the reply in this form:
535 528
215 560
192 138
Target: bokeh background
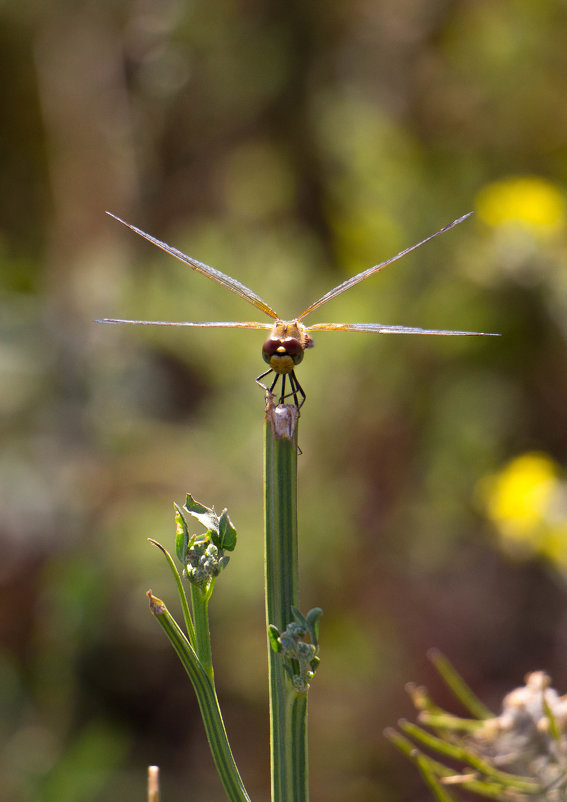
291 145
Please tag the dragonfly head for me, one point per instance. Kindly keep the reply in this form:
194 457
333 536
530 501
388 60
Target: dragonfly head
285 346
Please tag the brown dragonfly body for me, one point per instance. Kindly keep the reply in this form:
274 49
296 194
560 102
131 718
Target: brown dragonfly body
288 339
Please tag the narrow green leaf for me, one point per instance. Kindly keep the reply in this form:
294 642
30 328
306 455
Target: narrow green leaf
490 790
445 721
441 793
511 781
208 702
399 740
180 592
459 687
422 700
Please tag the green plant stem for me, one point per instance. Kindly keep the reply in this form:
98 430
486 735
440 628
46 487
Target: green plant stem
490 790
200 605
511 781
459 687
288 708
208 703
441 793
180 592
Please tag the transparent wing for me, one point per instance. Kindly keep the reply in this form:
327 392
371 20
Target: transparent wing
211 272
378 328
224 324
350 282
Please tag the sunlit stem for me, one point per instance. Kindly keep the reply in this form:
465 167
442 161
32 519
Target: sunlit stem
180 591
288 708
208 702
200 606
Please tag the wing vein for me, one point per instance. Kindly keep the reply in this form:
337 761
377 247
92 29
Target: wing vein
353 280
379 328
223 324
221 278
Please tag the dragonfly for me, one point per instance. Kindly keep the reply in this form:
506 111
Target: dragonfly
288 340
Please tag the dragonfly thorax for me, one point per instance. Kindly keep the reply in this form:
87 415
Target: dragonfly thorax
285 346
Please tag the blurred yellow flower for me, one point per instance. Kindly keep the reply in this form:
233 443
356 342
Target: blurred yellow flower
517 498
528 201
527 502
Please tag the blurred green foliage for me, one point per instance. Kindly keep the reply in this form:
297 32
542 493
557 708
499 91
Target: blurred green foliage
290 145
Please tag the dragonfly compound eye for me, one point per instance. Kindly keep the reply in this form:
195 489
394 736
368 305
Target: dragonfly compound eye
282 354
270 347
293 348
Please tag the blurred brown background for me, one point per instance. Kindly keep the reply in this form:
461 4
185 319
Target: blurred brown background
291 145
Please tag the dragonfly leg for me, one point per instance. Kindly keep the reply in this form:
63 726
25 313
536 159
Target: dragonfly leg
293 385
261 376
273 384
297 388
269 389
282 394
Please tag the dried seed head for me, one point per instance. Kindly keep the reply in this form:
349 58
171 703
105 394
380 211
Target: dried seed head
529 737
